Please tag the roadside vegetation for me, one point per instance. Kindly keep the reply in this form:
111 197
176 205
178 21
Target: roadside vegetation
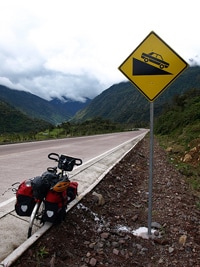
178 131
43 131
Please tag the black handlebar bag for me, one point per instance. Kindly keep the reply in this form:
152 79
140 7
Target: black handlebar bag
66 163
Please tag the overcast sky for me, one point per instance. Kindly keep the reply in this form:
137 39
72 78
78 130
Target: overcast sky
73 48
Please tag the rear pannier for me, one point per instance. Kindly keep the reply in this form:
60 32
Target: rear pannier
54 203
25 201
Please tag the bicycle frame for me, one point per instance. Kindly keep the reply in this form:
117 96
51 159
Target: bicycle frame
65 164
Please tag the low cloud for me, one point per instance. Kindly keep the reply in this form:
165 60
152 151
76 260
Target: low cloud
74 48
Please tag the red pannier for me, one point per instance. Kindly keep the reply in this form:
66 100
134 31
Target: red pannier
56 203
25 201
54 207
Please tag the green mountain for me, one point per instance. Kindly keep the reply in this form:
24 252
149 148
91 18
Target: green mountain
13 121
34 106
123 102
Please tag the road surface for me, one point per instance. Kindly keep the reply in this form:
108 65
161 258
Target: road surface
26 160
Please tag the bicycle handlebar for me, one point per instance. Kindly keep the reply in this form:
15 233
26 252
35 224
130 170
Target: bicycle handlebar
65 162
52 158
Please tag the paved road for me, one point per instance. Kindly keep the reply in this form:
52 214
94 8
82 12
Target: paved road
26 160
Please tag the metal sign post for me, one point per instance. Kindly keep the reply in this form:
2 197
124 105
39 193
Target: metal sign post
150 167
152 67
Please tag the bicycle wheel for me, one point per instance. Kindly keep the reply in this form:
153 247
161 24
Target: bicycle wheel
35 219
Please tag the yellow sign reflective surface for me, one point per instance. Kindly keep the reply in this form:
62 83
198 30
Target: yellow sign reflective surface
153 66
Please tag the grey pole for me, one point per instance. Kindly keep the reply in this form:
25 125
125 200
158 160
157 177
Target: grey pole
150 168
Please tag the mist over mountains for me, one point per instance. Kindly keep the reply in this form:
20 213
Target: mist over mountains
121 102
54 111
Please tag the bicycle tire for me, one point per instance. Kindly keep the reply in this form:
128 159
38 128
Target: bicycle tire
32 218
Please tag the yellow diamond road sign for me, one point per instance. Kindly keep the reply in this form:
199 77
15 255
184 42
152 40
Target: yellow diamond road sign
153 66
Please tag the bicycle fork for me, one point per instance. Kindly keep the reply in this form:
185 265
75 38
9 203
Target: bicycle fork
33 217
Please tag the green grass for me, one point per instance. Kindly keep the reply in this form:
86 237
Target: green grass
180 146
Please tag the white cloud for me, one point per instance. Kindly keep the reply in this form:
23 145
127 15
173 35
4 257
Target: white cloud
73 48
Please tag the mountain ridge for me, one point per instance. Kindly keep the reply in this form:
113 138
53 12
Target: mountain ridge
124 103
121 103
53 111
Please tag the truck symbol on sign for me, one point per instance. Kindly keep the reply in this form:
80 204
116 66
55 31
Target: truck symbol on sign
156 59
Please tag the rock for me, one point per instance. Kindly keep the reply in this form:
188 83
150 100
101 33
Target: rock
115 251
138 246
160 261
141 155
115 244
156 233
182 240
122 241
169 184
105 235
169 149
99 199
99 245
156 225
161 241
93 262
100 251
144 250
194 149
171 249
88 254
52 261
135 217
92 245
187 158
118 179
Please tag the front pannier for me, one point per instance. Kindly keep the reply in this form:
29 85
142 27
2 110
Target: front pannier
25 201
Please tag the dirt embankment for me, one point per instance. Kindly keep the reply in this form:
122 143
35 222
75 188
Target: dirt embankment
101 231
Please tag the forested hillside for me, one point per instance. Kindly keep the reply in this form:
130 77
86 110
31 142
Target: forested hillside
34 106
13 121
121 103
125 104
184 112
